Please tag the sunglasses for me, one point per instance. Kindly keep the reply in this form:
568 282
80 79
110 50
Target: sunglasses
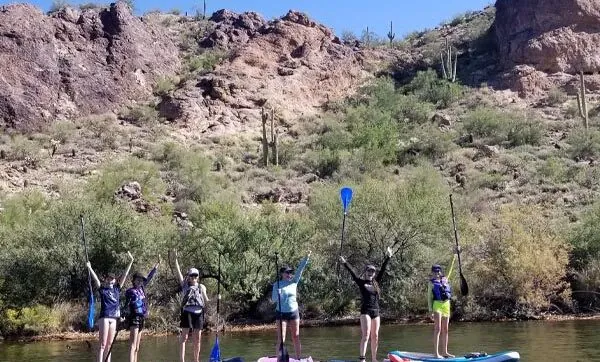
194 275
288 272
370 270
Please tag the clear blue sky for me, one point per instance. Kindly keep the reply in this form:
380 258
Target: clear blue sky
353 15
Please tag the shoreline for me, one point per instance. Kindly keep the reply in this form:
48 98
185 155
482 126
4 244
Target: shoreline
309 323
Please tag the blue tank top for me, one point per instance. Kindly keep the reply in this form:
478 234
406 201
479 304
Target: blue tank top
109 301
441 289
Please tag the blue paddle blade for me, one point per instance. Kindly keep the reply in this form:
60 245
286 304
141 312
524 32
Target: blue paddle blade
91 312
346 196
215 353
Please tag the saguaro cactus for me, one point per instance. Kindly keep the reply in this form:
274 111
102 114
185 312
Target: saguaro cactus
265 144
449 66
391 35
581 101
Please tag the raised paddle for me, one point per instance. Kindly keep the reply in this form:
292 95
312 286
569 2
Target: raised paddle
91 310
346 197
464 288
215 353
282 355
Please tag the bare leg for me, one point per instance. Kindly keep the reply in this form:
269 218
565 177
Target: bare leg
102 338
375 322
112 329
279 334
365 328
295 332
182 339
196 334
137 344
437 318
444 335
133 337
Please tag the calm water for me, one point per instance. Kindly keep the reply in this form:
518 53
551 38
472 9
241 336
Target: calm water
536 341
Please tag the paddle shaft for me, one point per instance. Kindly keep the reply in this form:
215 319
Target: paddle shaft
341 244
218 292
464 288
87 258
281 346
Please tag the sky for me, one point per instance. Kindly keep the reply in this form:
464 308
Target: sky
341 15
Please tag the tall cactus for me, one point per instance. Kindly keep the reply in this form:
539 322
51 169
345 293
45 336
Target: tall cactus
391 35
204 10
449 66
265 143
581 101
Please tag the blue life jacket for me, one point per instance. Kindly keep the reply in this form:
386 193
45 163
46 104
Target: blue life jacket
441 289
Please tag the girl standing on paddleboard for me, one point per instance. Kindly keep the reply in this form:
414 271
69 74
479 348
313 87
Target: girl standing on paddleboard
192 310
110 312
288 310
369 311
137 309
439 293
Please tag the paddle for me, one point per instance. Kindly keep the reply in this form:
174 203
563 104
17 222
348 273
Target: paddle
283 355
215 353
464 288
91 298
346 197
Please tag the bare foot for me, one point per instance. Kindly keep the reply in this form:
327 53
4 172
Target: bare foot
448 355
439 356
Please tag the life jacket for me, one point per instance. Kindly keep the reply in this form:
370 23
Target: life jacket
137 302
192 299
441 289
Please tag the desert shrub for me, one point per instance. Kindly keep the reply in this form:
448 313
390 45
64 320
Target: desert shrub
555 169
114 175
324 163
62 131
165 85
141 115
206 61
426 142
585 239
508 128
428 87
526 132
585 286
556 96
22 148
29 321
584 144
521 261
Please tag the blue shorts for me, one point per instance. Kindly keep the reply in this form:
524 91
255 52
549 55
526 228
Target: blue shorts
288 316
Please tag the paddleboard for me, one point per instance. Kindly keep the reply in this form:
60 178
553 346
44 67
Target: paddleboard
274 359
399 356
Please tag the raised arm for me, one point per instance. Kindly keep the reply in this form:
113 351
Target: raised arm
301 267
179 275
451 267
152 272
122 281
94 276
384 265
350 268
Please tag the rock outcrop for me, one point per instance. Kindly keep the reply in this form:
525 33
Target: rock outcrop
74 63
292 64
549 35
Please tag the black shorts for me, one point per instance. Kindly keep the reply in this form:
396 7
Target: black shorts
288 316
373 313
136 321
191 320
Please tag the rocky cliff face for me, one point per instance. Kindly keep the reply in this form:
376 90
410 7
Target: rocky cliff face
75 63
291 64
550 35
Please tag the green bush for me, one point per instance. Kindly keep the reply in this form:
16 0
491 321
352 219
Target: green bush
585 239
324 163
428 87
521 263
528 132
556 97
114 175
426 142
555 169
29 321
141 115
205 62
584 144
165 85
508 128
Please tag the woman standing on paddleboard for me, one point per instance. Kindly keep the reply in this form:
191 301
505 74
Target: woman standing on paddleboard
192 310
110 312
439 293
137 309
369 311
288 310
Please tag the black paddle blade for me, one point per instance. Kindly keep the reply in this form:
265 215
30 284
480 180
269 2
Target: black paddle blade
283 355
464 288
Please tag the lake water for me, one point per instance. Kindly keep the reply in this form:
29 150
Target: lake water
536 341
